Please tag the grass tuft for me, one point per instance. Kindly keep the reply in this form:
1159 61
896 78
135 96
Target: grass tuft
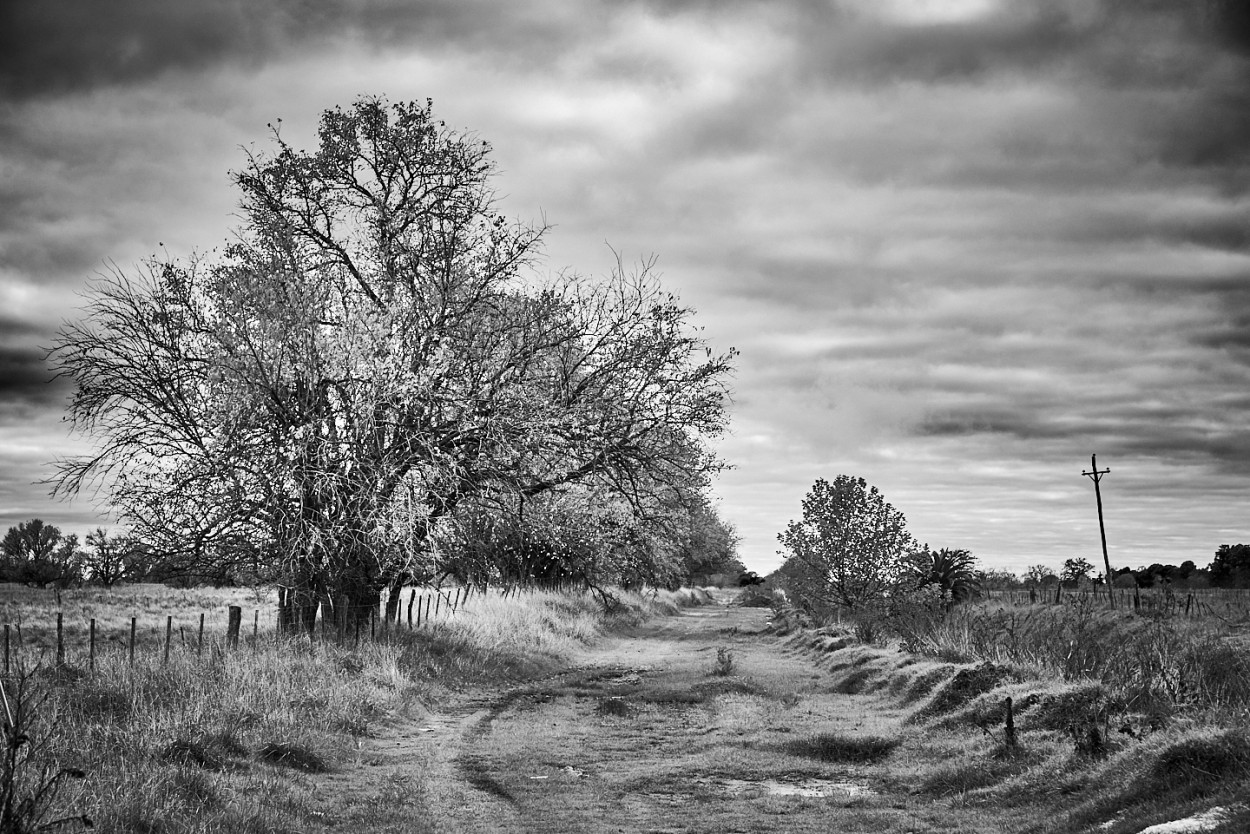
842 749
183 751
963 687
1197 765
616 707
293 756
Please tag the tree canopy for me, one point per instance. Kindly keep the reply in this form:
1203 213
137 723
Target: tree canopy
850 547
35 553
1231 566
375 349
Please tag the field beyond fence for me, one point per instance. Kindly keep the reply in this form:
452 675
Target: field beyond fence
1225 604
79 626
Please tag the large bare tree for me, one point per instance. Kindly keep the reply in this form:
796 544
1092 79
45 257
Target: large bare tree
375 347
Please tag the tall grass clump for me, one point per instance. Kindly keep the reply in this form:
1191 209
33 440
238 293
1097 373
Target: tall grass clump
1148 660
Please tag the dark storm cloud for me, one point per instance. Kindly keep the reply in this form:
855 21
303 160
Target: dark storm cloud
69 46
26 378
65 47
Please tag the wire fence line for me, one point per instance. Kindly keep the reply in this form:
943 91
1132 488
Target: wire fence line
1192 603
418 608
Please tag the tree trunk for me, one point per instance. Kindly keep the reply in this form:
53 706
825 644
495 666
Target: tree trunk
298 602
393 600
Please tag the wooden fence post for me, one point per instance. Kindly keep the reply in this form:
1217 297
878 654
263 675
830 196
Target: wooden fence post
199 643
60 640
1009 732
233 623
133 625
411 600
438 602
169 633
91 645
6 648
255 626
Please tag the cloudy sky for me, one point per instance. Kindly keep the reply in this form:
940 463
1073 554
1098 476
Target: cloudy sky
961 244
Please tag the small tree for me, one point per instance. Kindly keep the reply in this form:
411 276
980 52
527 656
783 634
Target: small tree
1075 571
112 558
850 548
37 554
1041 575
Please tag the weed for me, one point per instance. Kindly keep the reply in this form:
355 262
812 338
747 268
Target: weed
724 662
617 707
28 790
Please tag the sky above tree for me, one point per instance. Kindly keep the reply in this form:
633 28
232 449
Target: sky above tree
960 245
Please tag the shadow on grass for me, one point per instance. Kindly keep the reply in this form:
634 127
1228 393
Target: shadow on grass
839 748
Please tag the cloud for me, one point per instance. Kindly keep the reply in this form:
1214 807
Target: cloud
27 383
70 47
961 244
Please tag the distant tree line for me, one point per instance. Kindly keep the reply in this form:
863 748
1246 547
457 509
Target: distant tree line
1229 569
39 555
850 550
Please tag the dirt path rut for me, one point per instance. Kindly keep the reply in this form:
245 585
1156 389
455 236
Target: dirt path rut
644 734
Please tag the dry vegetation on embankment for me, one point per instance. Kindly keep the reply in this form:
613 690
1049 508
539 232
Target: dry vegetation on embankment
224 741
1122 721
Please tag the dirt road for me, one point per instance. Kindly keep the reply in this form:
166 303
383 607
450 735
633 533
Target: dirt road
647 733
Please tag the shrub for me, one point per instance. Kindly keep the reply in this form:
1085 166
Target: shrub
724 662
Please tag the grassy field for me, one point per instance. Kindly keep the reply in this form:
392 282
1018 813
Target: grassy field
228 740
1122 720
34 611
1221 605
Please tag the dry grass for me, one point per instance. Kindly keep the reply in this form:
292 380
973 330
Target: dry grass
222 741
1123 721
1154 662
34 611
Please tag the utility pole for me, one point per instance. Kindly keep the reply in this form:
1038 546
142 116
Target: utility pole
1095 474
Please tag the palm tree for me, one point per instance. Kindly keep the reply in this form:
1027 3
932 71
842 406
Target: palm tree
952 571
